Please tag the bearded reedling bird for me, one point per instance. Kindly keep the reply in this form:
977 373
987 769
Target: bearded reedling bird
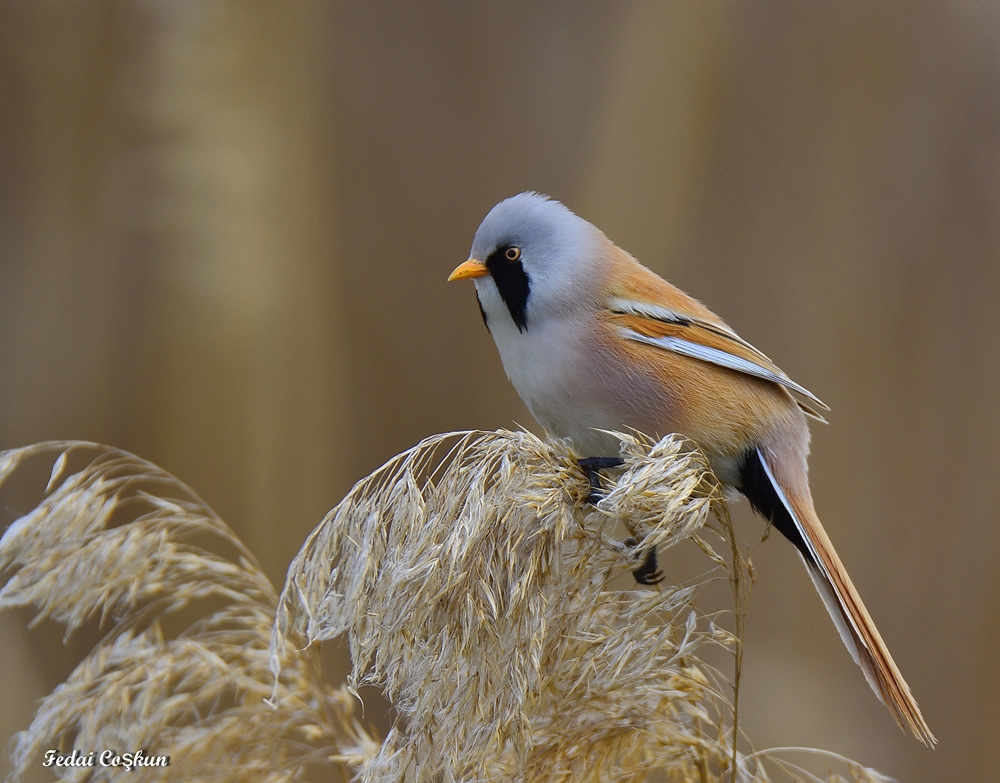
592 341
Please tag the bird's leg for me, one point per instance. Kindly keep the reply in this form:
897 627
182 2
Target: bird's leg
648 572
591 466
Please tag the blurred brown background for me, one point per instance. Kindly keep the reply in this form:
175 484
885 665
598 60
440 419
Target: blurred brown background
225 229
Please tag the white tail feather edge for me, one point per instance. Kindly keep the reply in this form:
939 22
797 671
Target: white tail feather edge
836 614
856 628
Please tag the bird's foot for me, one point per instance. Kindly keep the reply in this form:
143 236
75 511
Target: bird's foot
648 572
592 467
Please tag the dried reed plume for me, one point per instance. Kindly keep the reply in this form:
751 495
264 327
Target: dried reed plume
122 540
473 583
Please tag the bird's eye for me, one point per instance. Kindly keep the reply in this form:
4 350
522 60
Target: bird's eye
513 253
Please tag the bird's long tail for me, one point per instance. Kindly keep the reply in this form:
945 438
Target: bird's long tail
796 519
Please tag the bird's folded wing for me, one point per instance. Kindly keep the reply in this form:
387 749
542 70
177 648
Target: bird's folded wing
701 339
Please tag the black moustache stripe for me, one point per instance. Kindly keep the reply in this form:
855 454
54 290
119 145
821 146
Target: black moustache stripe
513 284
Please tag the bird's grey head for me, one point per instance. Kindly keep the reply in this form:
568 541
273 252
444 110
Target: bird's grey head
539 257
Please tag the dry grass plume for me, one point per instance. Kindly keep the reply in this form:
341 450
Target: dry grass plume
474 586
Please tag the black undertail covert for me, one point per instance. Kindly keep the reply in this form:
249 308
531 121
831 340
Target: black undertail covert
758 489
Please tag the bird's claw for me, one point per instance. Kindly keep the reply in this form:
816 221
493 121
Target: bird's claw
648 572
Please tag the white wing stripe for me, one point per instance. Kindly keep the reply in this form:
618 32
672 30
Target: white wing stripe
665 314
721 358
644 310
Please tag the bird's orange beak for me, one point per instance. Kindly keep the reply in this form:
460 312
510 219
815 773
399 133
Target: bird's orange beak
471 268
